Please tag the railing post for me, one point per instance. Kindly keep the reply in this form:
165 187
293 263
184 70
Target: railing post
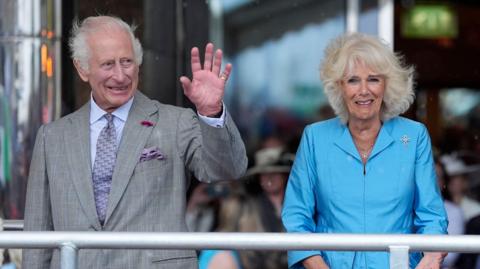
399 258
68 256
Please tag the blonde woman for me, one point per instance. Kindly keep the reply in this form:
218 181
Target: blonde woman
367 170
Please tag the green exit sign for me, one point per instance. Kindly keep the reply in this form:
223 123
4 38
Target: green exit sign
430 21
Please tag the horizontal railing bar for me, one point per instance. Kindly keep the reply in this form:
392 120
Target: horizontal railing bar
12 224
257 241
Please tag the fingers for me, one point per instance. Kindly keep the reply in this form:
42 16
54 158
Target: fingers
226 73
195 59
217 62
211 63
186 84
207 64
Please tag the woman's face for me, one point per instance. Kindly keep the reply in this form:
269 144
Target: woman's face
363 92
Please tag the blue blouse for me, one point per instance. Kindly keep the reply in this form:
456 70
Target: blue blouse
330 191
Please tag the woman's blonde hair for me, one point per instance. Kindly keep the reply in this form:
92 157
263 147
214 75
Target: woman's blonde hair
348 50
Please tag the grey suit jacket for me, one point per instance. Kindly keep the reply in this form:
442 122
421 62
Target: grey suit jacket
145 196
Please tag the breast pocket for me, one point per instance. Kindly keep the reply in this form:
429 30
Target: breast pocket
150 167
152 176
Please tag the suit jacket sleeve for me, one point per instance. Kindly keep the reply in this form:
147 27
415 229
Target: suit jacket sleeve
211 153
38 211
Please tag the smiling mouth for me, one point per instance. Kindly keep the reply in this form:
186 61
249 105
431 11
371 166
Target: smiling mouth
364 103
118 88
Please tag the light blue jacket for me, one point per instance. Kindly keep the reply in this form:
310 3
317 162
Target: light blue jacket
330 192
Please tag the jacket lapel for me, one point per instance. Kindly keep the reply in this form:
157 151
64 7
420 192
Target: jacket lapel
77 139
345 142
384 139
134 138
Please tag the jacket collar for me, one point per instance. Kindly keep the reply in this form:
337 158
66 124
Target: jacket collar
345 140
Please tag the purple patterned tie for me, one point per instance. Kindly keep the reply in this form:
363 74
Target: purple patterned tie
103 166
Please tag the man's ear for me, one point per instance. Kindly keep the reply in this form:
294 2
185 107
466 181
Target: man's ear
81 72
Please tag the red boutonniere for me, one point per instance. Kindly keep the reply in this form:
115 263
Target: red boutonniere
147 123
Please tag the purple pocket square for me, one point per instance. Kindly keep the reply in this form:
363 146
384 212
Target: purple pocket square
151 153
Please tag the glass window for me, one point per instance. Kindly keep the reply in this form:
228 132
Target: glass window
459 105
460 120
276 48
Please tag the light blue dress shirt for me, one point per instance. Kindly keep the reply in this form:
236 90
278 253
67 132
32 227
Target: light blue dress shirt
328 191
98 122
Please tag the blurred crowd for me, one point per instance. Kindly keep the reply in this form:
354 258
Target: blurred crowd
9 258
459 183
254 204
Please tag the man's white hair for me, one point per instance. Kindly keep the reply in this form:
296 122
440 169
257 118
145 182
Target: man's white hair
80 51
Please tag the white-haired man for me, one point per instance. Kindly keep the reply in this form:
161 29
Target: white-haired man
122 161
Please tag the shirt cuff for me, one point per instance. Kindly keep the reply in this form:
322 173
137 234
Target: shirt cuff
215 122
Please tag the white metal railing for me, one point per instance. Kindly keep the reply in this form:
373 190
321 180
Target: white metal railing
12 225
398 245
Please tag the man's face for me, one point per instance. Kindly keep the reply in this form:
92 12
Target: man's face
113 72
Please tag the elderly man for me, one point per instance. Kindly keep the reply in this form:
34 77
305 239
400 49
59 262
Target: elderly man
122 161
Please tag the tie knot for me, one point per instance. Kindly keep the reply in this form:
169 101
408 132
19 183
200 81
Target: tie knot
109 118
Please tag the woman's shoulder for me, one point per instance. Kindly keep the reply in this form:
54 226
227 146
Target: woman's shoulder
324 131
332 124
402 123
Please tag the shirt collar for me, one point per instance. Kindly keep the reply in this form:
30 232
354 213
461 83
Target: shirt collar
96 113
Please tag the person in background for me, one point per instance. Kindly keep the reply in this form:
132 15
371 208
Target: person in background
368 170
456 220
238 213
203 205
122 162
272 141
458 186
458 189
9 258
202 208
470 260
272 165
271 169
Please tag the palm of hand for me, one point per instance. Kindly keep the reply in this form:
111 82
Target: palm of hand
207 89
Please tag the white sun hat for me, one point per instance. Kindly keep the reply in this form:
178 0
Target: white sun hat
271 160
455 166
